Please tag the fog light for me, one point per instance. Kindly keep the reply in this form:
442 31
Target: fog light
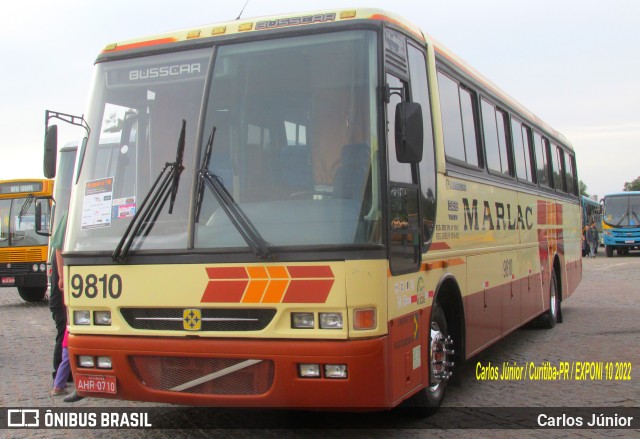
330 320
82 317
86 361
104 362
302 320
335 371
102 318
309 370
364 318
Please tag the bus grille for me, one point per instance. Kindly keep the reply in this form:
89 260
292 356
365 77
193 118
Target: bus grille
15 268
22 255
213 319
210 376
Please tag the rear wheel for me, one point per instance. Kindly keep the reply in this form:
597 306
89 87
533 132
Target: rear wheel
32 294
549 319
609 251
427 400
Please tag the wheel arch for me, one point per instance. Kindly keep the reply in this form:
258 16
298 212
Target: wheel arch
449 297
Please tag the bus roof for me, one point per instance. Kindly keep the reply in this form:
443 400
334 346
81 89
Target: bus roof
314 18
262 24
587 200
622 194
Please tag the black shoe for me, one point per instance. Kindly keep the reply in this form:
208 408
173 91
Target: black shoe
74 397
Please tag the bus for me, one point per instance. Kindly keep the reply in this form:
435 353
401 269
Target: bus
322 210
61 195
591 212
23 242
621 222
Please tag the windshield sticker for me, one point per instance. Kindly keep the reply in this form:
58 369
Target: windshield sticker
96 207
124 208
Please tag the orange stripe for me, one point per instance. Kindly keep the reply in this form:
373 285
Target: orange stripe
142 44
275 291
255 290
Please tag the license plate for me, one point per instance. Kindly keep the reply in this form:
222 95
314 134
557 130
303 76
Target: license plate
8 280
96 383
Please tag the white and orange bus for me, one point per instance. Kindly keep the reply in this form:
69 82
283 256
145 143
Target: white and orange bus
322 210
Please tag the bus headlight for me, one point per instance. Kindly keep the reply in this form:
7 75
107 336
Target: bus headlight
331 320
309 370
302 320
102 318
104 363
34 267
43 267
86 361
335 371
82 317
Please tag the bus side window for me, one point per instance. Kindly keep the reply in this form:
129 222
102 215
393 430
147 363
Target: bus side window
571 174
458 121
557 159
542 173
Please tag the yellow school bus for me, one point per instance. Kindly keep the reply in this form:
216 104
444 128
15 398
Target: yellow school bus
23 243
316 210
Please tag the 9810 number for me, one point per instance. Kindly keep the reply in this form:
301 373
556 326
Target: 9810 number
92 286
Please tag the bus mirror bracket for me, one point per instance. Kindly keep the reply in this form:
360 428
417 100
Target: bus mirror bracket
409 132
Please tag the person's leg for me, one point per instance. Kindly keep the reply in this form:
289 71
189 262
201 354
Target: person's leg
63 371
59 316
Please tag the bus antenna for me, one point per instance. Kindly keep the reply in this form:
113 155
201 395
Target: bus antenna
242 10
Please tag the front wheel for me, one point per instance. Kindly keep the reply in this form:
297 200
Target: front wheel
32 294
609 251
441 366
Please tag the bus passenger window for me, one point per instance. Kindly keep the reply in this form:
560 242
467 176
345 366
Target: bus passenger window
542 174
495 140
456 105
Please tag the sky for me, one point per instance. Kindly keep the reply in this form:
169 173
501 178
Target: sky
574 63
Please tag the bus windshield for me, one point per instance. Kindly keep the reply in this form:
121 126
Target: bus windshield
295 145
17 224
622 211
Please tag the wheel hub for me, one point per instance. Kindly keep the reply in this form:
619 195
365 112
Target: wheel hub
441 356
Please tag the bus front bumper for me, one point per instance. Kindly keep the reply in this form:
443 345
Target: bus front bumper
234 372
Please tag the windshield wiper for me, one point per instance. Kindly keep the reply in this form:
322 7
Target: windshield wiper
165 186
236 215
26 205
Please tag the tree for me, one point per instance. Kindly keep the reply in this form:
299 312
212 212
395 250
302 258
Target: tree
632 185
583 188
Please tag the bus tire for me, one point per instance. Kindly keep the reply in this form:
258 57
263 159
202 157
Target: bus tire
549 319
440 356
608 250
34 294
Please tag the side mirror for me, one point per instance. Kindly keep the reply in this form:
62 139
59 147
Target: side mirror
50 151
43 216
409 132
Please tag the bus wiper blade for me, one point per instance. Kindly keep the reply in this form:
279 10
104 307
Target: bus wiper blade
165 185
236 215
26 205
238 218
203 169
176 174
